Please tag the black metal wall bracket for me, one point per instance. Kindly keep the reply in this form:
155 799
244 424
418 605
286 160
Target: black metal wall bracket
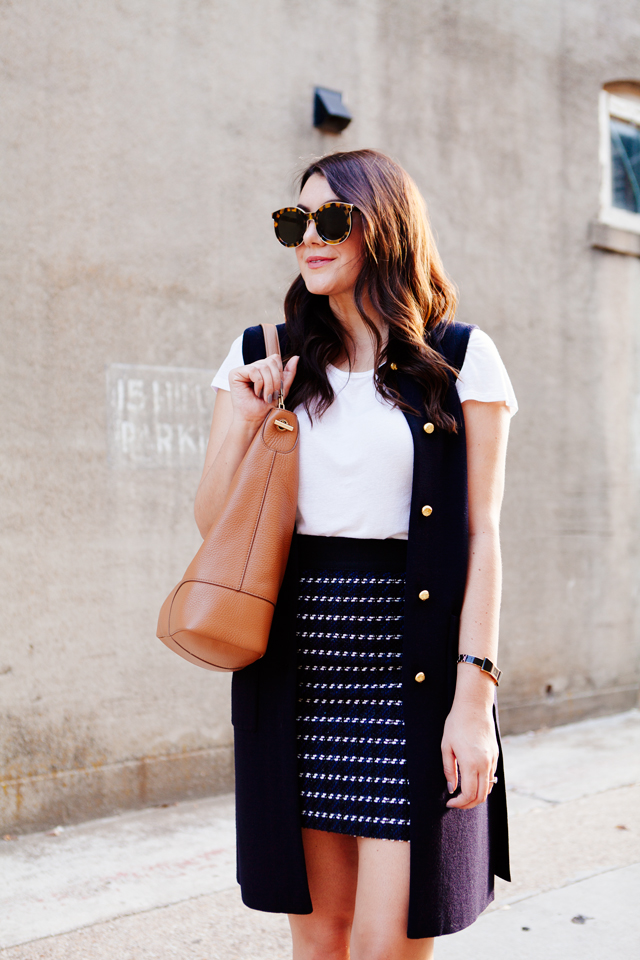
329 112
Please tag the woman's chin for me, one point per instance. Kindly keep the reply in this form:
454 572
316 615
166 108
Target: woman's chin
321 286
319 289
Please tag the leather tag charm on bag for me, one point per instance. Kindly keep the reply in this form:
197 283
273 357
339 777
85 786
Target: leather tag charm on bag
219 616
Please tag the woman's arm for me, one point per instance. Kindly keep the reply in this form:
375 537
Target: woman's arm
469 734
237 415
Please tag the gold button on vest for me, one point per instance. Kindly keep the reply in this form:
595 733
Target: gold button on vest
428 428
427 511
394 366
420 677
424 594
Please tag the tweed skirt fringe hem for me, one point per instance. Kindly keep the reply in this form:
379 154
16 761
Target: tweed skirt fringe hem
350 722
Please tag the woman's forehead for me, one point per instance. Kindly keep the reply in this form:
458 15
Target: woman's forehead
315 192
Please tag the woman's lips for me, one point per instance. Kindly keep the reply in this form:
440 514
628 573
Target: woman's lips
315 262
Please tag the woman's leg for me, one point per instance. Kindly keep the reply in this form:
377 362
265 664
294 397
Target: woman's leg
332 872
379 929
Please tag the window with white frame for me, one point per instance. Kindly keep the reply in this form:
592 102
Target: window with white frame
620 155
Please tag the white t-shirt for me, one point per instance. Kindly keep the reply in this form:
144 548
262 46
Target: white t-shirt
356 461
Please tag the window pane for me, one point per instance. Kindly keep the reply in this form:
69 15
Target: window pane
625 165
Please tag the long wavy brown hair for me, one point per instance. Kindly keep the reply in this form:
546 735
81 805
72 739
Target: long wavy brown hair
402 277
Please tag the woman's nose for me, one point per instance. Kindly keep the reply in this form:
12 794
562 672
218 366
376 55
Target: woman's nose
311 234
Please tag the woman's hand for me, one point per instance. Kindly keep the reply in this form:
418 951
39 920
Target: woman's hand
470 739
236 418
256 387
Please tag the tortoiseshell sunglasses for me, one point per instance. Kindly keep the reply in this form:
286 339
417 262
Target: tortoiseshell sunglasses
333 222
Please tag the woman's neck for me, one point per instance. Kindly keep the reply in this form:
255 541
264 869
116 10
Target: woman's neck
361 344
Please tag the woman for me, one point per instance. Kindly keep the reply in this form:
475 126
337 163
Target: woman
365 758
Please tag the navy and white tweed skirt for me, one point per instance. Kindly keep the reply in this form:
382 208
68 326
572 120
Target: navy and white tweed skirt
350 723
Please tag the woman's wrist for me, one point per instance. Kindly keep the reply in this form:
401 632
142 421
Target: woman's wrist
243 428
473 686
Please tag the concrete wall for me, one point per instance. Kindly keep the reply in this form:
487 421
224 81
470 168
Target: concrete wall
144 146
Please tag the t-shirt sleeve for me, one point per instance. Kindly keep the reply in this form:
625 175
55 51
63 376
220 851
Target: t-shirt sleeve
233 359
483 375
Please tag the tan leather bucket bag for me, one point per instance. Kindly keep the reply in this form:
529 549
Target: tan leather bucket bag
219 616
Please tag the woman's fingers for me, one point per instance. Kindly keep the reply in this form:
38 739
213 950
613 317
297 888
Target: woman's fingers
261 381
470 737
273 378
272 374
484 787
450 768
476 783
256 377
252 385
265 376
469 786
489 786
492 777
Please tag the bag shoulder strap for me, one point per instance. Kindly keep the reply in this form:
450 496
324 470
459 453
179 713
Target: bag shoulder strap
271 339
262 340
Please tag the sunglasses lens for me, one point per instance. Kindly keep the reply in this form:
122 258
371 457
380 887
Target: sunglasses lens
290 226
334 223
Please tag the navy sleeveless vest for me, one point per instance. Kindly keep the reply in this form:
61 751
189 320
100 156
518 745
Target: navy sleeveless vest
454 853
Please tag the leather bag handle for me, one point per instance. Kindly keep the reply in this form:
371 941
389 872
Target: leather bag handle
272 345
271 339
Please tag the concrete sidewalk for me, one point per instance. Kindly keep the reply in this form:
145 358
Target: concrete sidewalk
159 883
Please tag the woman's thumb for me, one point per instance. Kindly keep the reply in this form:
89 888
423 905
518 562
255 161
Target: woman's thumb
289 372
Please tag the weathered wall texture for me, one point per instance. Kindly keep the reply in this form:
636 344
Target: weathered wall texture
144 145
